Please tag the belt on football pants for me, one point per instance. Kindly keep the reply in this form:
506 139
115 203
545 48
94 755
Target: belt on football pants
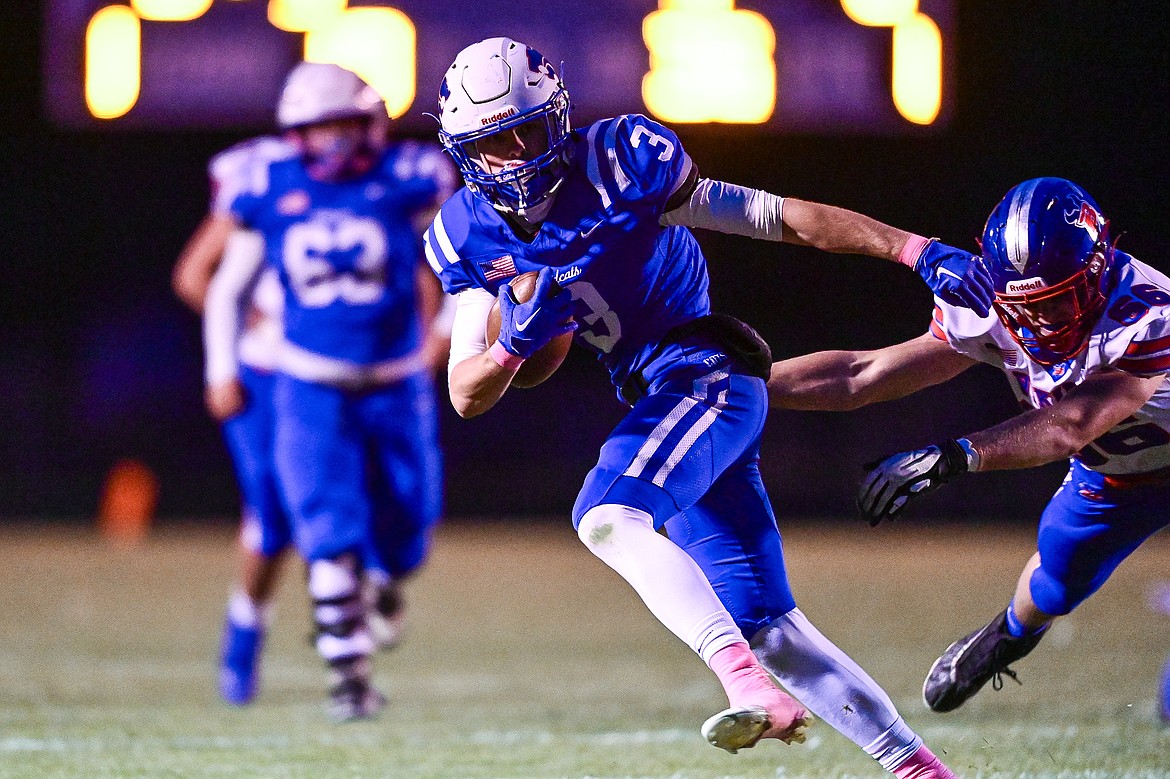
739 339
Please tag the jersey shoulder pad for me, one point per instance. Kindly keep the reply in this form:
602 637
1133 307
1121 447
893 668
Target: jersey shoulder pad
633 158
1144 293
445 243
244 169
980 338
413 160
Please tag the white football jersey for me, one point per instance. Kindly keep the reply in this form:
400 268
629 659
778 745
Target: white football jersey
1132 336
232 171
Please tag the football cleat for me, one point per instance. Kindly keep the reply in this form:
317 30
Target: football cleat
354 699
971 662
239 663
742 727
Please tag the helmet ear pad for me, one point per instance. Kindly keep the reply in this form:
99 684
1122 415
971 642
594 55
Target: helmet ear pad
1046 246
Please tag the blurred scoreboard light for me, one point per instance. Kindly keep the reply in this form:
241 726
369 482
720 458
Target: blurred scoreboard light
788 66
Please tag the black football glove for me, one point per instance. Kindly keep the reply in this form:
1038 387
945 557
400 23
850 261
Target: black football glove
892 482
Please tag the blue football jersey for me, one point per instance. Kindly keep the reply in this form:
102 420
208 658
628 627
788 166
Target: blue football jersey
631 278
346 252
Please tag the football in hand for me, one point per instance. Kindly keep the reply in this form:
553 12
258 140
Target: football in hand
547 358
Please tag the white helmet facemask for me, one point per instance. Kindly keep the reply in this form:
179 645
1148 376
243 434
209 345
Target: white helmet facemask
495 86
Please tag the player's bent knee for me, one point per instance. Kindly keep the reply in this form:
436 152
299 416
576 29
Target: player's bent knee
1056 598
606 525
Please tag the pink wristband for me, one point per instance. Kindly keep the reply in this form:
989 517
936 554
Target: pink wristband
504 358
912 250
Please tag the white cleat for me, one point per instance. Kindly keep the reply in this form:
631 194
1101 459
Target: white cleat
742 727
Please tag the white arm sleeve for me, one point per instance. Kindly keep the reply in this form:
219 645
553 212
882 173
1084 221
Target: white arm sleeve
730 208
469 330
243 259
444 319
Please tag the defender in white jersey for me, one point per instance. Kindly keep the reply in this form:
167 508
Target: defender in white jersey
603 215
1082 332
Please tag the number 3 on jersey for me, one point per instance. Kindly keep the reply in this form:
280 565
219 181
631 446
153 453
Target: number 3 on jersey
599 312
342 260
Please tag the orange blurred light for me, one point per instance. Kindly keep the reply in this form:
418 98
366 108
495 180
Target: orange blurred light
880 13
918 69
170 10
113 61
683 87
376 43
303 15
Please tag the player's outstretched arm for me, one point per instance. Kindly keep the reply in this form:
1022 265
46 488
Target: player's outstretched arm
199 258
846 380
956 276
1056 432
1033 438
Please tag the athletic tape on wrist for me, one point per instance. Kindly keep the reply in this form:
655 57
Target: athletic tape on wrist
912 251
504 358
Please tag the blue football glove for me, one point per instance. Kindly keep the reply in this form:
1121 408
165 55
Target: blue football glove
892 482
528 326
955 276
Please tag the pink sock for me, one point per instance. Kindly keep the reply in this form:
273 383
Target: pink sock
743 678
923 765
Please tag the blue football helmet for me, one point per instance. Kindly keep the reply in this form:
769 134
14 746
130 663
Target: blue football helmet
1047 248
501 86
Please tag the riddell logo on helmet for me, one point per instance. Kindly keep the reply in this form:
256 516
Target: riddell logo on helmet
1027 285
486 120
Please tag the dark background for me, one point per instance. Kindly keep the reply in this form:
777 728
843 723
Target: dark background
98 360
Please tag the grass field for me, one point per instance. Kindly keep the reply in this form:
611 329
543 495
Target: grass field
527 658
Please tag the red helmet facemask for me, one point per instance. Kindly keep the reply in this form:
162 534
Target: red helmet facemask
1053 323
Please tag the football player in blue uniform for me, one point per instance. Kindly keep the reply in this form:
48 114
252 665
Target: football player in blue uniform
1082 333
355 440
265 533
601 214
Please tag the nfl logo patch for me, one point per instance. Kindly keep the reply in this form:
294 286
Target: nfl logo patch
499 268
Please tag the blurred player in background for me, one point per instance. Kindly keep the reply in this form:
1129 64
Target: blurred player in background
264 532
338 214
602 215
1082 332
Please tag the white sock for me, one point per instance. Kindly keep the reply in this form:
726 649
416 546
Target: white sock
669 582
248 613
826 680
338 609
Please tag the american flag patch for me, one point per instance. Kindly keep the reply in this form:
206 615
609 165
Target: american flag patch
499 268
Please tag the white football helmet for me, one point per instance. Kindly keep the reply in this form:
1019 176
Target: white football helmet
318 92
493 86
